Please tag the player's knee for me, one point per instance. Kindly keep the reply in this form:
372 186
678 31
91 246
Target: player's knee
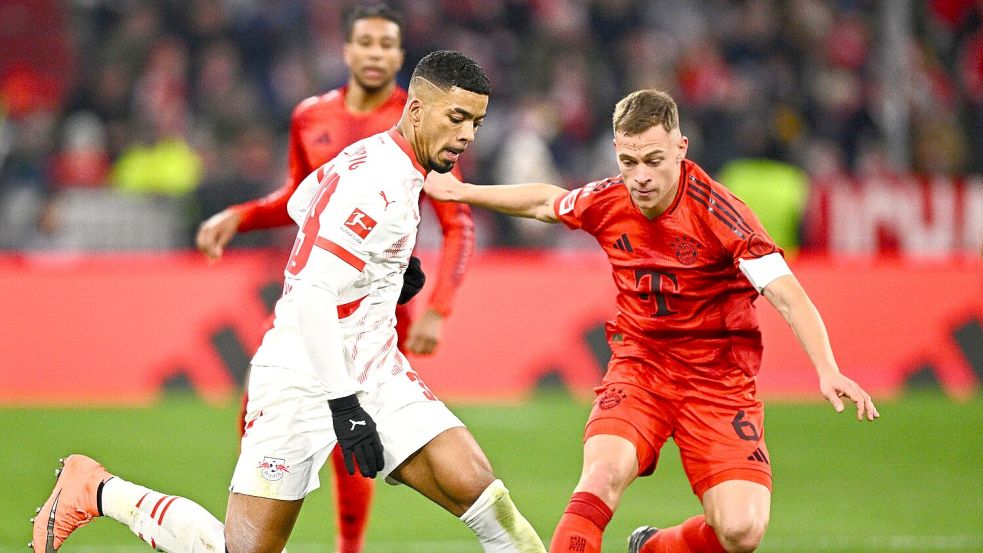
465 487
741 534
605 479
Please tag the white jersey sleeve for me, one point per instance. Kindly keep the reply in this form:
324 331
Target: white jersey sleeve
317 317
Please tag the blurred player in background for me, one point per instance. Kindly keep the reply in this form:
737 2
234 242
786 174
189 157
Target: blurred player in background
329 370
689 259
321 126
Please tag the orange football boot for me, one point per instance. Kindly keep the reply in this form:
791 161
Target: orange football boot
72 503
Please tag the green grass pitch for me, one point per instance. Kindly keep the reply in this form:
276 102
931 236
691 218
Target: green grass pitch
912 481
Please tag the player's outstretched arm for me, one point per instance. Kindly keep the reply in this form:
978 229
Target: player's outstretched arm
216 232
532 201
790 299
316 299
270 211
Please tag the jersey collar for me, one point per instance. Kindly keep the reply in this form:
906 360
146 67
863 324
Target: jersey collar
404 145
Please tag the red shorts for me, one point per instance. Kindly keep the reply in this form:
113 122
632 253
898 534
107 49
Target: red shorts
720 437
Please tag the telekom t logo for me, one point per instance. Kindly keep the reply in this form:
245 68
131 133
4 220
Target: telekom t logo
360 223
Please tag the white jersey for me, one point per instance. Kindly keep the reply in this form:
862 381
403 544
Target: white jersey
362 208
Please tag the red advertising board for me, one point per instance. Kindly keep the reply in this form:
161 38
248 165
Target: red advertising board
120 329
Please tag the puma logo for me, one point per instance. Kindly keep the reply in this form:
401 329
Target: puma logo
383 194
356 423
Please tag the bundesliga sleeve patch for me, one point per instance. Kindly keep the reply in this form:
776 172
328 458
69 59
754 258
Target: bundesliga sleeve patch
359 224
568 202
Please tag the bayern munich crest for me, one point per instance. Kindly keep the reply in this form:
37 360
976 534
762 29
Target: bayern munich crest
611 398
686 249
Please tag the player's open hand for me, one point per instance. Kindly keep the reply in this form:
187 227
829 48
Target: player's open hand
357 436
423 336
836 386
442 186
216 232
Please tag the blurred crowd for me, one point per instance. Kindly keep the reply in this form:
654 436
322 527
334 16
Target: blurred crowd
168 111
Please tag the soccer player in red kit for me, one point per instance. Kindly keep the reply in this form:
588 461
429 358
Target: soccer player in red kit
689 259
320 128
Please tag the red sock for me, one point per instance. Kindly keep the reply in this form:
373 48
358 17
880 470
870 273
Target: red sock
353 494
692 535
581 525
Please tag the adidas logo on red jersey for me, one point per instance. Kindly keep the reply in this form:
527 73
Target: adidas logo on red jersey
624 244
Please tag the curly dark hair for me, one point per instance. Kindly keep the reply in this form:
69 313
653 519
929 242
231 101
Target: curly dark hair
447 68
372 9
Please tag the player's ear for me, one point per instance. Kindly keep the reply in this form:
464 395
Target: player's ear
415 110
683 146
347 55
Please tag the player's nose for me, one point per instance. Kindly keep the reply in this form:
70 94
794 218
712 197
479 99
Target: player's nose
375 52
466 134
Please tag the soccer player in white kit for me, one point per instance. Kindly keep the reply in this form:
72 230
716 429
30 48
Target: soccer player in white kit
329 370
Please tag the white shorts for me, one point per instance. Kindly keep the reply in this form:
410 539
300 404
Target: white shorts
289 432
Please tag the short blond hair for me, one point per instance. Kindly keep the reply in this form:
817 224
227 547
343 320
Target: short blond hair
644 109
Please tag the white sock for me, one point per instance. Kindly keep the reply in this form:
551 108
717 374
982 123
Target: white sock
168 523
499 525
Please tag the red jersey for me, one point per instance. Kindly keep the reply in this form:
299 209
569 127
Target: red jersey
320 128
682 300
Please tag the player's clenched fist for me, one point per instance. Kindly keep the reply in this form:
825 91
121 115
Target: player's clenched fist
216 232
413 280
357 437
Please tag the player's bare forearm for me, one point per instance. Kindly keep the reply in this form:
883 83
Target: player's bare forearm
790 299
531 200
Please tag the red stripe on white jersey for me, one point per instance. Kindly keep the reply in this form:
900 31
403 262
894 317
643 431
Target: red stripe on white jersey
399 364
346 309
153 513
376 359
141 499
164 511
342 253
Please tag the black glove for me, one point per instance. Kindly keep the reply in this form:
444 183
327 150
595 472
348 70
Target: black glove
357 436
413 281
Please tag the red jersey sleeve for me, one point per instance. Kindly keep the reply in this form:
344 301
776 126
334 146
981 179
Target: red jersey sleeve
574 207
734 224
456 249
271 210
568 210
455 252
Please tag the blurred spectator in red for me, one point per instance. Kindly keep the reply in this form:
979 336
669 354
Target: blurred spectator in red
83 159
